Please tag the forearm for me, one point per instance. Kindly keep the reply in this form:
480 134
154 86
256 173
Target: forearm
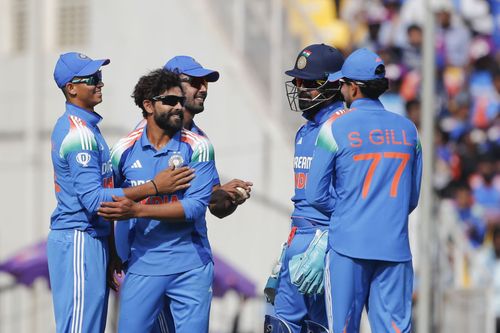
140 192
169 212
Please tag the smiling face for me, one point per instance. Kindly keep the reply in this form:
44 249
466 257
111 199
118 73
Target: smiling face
85 92
168 117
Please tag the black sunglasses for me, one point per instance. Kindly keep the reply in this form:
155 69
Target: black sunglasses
170 100
91 80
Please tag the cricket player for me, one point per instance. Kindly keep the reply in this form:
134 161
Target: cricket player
299 297
372 157
194 79
77 246
170 261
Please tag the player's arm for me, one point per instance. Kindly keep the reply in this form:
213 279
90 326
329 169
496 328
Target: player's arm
416 177
192 206
226 198
319 178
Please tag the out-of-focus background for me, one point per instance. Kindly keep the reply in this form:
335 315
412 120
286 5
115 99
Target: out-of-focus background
251 43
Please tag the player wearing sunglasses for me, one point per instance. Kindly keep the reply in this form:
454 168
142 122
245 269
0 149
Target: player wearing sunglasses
78 252
170 260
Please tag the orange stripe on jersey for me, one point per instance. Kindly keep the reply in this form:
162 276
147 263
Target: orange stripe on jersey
396 329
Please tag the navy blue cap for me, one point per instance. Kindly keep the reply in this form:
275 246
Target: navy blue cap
74 64
360 65
315 62
188 66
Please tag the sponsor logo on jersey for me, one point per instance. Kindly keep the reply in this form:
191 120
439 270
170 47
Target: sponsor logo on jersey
302 162
136 165
106 167
83 159
299 141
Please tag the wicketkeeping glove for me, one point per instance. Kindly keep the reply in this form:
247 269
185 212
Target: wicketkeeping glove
306 269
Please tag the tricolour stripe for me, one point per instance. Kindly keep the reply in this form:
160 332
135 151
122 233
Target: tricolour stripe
201 146
83 132
328 294
125 143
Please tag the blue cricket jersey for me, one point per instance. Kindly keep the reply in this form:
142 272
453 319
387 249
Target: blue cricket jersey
167 247
83 175
373 157
305 140
195 129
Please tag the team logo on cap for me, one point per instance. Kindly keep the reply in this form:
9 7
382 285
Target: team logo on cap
83 159
301 62
82 56
175 161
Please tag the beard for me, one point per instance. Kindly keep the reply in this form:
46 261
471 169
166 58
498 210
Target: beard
193 105
167 122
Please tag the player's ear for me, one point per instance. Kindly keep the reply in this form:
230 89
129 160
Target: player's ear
70 89
148 106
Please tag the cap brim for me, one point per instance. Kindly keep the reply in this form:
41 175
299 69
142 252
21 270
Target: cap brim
335 76
304 76
209 74
93 67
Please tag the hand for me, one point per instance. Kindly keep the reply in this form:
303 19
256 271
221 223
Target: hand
235 194
172 180
114 272
307 269
120 209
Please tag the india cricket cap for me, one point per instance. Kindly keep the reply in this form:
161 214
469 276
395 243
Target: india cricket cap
74 64
315 62
361 65
188 66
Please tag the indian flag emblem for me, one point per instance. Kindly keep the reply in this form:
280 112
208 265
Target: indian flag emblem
306 53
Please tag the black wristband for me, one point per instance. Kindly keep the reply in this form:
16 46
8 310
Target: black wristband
156 188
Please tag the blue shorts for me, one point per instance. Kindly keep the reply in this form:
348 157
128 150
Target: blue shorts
188 295
290 305
77 269
384 287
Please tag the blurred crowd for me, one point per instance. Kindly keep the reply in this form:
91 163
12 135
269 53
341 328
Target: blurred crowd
467 133
467 111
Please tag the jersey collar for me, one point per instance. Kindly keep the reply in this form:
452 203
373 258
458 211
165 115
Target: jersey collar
367 104
326 112
91 118
172 145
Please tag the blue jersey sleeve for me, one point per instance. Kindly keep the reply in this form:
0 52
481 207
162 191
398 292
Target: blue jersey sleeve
319 179
197 196
416 177
80 150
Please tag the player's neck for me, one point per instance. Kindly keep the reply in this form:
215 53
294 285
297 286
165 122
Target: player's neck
188 120
157 136
81 104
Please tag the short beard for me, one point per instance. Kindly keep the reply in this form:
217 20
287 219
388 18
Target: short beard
165 122
192 107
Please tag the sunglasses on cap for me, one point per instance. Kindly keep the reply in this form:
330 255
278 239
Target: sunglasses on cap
348 81
91 80
308 83
170 100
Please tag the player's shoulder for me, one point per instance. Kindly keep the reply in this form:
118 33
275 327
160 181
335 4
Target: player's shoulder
201 147
75 134
124 144
338 115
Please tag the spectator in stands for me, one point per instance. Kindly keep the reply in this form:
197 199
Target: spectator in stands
452 36
470 215
412 51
